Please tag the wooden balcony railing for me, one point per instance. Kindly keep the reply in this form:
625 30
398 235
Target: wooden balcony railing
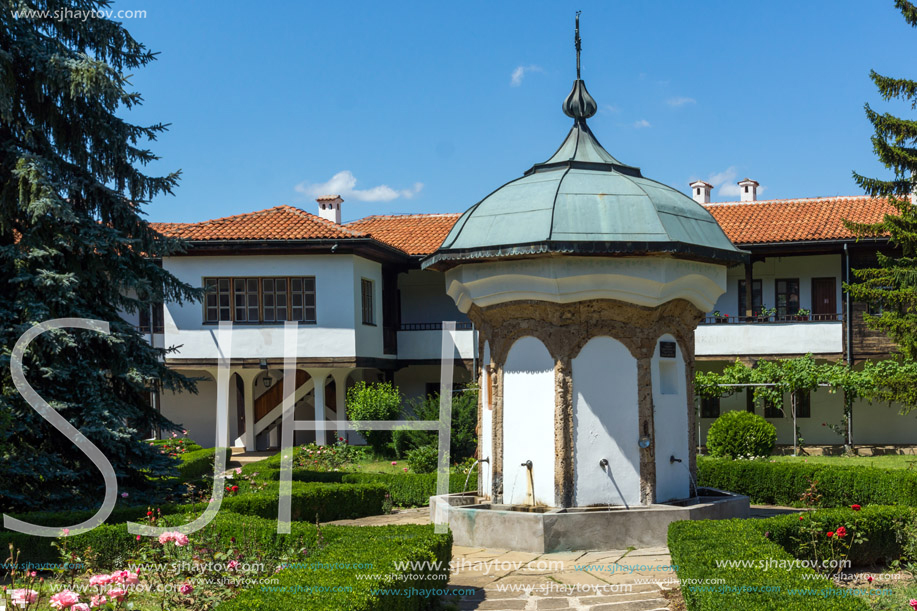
764 319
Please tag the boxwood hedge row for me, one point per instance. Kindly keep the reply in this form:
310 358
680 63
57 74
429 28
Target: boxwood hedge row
781 483
697 547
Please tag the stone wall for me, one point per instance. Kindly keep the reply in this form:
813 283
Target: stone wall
564 329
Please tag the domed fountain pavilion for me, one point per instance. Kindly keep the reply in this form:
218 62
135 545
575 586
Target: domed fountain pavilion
586 281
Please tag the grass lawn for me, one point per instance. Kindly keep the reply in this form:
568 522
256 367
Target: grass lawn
890 461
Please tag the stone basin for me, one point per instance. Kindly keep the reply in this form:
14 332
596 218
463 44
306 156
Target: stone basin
542 529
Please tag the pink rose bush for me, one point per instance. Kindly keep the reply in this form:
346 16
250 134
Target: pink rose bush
65 599
23 597
178 538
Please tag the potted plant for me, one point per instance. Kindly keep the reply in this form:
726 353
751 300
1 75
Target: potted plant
720 318
765 313
803 314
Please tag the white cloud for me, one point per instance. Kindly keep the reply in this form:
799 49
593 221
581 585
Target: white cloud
641 124
344 182
519 73
610 108
680 101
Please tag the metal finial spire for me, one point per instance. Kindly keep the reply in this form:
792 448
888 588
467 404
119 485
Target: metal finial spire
579 44
579 104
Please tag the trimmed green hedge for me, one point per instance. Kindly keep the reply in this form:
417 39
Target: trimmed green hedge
310 499
696 546
198 463
379 546
327 501
782 483
411 488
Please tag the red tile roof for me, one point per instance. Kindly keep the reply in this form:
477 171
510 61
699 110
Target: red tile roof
415 234
758 222
796 220
278 223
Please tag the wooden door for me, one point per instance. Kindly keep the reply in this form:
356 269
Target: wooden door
824 298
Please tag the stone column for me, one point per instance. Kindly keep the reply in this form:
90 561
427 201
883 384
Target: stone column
497 435
563 432
647 426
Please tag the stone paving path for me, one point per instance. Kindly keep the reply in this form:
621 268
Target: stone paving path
497 580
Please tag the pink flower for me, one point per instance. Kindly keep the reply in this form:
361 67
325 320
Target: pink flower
394 462
138 537
23 597
99 580
405 469
233 564
913 603
238 470
66 532
97 601
181 539
186 588
65 599
123 495
117 594
166 537
80 607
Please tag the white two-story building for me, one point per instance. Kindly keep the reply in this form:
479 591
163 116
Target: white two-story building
366 311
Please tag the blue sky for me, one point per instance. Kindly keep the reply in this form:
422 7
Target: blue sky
417 102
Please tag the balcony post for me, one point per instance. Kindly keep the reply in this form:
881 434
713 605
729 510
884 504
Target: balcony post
749 278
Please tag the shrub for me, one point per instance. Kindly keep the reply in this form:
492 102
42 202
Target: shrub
199 463
380 401
310 501
784 483
740 434
463 440
411 488
768 581
382 587
423 459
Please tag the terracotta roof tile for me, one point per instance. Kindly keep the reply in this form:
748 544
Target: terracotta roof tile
415 234
278 223
796 220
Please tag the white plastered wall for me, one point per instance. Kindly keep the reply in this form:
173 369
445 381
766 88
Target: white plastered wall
528 421
605 424
670 418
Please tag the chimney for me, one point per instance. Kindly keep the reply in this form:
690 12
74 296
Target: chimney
700 191
749 189
329 207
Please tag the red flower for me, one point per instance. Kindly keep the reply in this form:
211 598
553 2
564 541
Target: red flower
855 507
841 532
830 534
235 488
340 439
149 513
227 488
869 579
800 518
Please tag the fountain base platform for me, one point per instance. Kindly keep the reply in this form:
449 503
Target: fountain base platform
542 529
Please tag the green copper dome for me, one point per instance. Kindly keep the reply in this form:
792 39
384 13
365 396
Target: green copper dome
583 201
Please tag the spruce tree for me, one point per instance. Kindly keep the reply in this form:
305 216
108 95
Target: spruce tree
74 242
893 283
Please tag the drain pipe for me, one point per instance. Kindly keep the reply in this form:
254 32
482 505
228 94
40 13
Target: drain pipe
848 325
